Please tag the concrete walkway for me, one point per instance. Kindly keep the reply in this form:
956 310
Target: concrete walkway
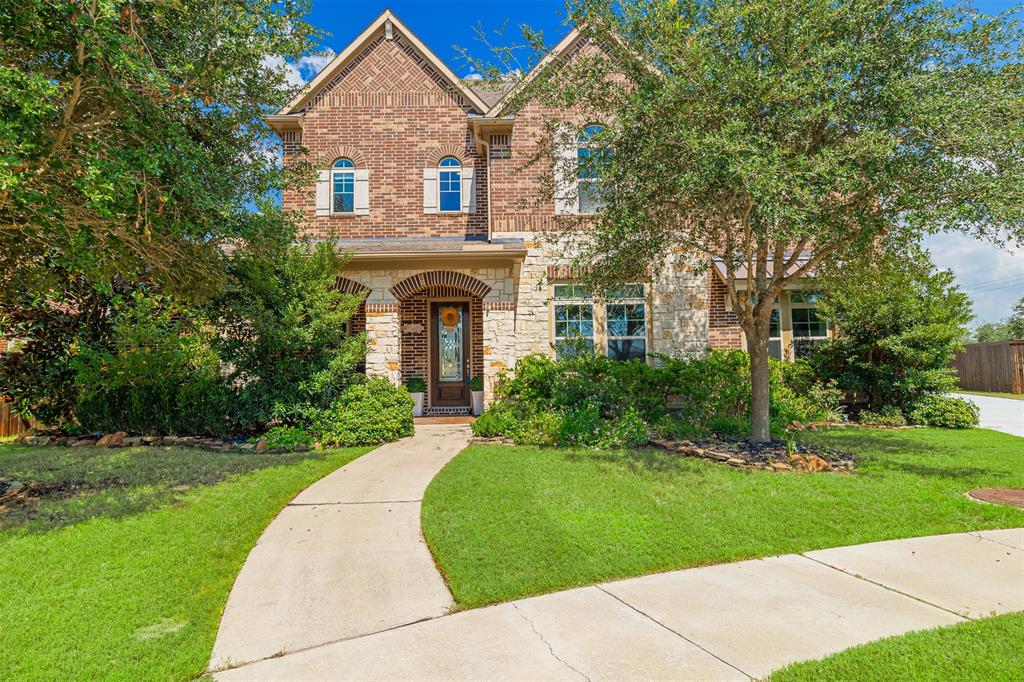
345 558
729 622
999 414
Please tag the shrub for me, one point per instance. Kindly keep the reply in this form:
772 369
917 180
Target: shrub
592 401
898 322
416 385
944 411
158 373
368 413
287 437
476 384
888 415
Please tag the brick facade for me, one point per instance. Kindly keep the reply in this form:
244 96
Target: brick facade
390 109
723 325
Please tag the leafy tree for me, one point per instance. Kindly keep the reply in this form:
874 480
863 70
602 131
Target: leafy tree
131 152
283 330
898 322
988 332
1015 324
781 137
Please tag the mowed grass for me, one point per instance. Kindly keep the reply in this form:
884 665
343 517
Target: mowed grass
989 649
121 570
506 522
992 394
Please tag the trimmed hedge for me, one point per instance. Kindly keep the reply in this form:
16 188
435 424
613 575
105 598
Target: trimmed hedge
369 413
945 412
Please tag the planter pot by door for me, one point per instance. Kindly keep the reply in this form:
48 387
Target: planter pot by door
478 403
417 408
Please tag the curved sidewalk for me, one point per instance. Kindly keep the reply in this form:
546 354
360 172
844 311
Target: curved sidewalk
731 622
345 558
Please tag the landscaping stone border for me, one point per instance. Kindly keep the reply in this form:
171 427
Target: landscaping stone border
772 456
121 439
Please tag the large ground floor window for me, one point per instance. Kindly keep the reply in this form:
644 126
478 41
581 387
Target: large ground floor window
616 324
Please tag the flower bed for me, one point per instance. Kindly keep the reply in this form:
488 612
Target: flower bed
774 455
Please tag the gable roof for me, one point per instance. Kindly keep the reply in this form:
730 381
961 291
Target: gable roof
564 45
381 23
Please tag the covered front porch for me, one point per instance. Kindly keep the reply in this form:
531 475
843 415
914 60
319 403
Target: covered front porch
440 310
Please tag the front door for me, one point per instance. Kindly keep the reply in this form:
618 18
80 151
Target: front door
449 361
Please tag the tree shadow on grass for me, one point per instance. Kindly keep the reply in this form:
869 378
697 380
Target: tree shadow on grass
65 486
644 459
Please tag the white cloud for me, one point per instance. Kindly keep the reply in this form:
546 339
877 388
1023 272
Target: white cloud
301 71
474 76
991 276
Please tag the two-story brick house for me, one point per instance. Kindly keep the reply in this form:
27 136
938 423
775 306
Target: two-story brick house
424 182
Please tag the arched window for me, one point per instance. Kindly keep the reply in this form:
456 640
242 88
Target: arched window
343 187
588 155
449 176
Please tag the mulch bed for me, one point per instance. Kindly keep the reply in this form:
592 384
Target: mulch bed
1013 497
775 455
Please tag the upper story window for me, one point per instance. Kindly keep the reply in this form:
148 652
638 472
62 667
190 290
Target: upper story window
449 176
626 320
343 187
588 155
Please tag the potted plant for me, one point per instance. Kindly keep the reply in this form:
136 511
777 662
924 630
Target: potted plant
418 388
476 387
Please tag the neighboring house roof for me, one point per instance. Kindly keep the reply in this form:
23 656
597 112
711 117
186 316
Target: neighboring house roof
386 22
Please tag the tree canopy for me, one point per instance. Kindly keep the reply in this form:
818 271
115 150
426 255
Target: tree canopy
781 137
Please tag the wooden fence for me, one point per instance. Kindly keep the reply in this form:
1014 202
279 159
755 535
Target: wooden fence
10 423
997 366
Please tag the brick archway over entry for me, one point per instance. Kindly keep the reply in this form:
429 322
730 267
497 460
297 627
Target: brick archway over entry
410 286
415 295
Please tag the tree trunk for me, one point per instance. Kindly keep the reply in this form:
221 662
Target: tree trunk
757 347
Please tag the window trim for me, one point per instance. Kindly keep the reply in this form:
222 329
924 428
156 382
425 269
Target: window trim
338 171
586 300
803 305
640 300
456 168
584 142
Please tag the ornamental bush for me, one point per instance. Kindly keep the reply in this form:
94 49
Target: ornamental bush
945 412
158 373
593 401
888 415
369 413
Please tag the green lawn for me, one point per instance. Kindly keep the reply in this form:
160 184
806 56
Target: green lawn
991 394
506 522
121 570
990 649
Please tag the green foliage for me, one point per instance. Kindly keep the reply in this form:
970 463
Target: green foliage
756 132
887 415
476 384
159 374
416 385
1004 330
287 437
944 411
132 143
282 331
368 413
592 401
898 322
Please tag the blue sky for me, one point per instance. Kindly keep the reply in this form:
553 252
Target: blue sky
993 278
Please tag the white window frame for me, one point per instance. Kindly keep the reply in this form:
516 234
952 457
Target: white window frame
336 174
577 296
629 295
583 141
795 305
441 170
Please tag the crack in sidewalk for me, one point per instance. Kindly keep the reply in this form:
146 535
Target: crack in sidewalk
546 642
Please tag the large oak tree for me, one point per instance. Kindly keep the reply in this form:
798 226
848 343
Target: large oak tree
781 136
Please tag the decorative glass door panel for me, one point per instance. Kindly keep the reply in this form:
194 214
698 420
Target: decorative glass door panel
450 346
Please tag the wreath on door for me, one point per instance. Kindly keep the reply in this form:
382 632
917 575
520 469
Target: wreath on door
449 318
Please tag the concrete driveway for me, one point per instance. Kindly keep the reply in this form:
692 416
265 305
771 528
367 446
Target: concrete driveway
999 414
729 622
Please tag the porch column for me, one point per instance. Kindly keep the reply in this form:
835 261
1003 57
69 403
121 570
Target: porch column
499 346
382 333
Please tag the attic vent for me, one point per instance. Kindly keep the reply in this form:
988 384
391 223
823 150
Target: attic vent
389 30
